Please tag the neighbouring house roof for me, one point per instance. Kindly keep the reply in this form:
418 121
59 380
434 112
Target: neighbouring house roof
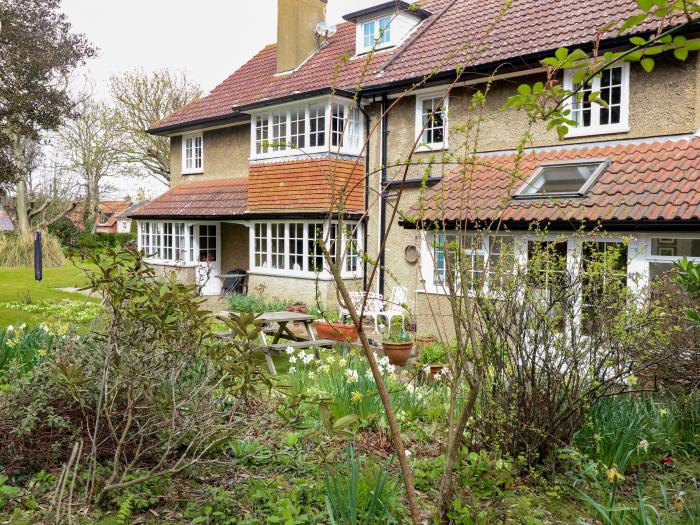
455 34
201 199
125 214
6 224
109 210
644 182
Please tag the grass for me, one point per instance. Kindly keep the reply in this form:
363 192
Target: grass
18 284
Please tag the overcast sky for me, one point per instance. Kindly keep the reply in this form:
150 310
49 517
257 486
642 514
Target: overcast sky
207 39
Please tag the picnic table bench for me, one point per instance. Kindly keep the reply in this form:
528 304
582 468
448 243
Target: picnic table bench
278 328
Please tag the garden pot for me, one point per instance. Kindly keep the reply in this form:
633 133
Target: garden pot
398 353
346 333
422 342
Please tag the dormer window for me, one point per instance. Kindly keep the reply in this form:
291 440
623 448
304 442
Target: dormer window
385 25
571 179
376 32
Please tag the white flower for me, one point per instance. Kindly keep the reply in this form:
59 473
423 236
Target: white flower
369 374
292 359
306 358
410 387
44 328
342 361
407 453
352 376
23 326
292 369
643 445
330 359
289 350
390 369
10 328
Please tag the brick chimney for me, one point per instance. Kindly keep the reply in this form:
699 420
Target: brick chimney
296 25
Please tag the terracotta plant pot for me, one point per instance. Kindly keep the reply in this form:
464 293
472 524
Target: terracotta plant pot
422 342
398 353
346 333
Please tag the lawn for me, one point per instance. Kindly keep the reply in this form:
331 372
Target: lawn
18 285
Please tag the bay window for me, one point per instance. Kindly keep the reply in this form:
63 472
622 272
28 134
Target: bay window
169 242
294 249
465 255
308 128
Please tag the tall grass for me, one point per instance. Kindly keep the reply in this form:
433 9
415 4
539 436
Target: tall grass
17 250
255 304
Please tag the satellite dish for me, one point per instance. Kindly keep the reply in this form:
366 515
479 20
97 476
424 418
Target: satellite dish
326 30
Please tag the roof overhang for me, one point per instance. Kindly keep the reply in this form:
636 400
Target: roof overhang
386 6
229 118
294 97
558 225
272 215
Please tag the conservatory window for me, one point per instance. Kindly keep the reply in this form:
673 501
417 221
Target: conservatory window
277 250
296 246
260 245
666 251
592 118
570 179
431 122
315 253
604 277
192 154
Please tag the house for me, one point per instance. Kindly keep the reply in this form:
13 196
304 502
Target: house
6 224
122 221
259 165
110 211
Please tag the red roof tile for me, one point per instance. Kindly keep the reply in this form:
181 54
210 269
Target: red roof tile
211 198
449 37
644 182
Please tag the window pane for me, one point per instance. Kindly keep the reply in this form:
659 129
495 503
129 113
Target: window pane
315 253
385 30
581 108
604 277
261 134
168 241
207 243
279 131
675 247
337 124
317 125
610 92
260 246
277 250
433 120
296 246
351 248
368 34
563 178
298 128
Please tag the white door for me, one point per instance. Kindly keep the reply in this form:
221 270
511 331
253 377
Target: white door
209 258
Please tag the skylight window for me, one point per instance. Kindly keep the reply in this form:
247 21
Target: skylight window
565 179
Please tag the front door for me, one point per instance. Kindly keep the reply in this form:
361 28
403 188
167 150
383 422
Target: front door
209 260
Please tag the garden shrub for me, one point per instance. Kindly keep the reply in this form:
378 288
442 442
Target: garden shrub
143 394
65 231
89 241
17 250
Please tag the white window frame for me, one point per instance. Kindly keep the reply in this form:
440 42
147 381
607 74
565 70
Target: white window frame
193 170
181 255
603 165
596 128
376 40
435 146
305 272
352 130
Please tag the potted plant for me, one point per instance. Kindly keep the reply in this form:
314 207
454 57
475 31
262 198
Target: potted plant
422 341
397 346
331 327
432 357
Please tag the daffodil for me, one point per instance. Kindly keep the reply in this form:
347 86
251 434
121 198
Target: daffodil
614 475
356 396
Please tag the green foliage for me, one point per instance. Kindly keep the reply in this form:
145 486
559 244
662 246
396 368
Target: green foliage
358 493
17 250
689 278
22 348
255 304
65 231
65 310
101 242
433 354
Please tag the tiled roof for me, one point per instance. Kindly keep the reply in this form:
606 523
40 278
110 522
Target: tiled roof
306 185
644 182
211 198
449 37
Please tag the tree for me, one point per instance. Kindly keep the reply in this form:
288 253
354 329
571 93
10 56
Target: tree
38 52
92 143
142 99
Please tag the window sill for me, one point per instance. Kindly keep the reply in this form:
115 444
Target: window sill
303 154
324 276
432 148
600 130
192 172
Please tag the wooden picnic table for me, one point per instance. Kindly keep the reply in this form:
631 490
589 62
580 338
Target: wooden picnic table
270 338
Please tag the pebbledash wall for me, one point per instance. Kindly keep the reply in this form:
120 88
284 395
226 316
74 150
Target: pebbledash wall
665 102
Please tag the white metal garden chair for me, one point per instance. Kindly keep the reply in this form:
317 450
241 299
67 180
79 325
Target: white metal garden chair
395 306
372 302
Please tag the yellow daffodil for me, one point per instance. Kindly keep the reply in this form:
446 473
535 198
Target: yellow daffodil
357 396
614 475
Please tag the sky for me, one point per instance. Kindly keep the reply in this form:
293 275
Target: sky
207 39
